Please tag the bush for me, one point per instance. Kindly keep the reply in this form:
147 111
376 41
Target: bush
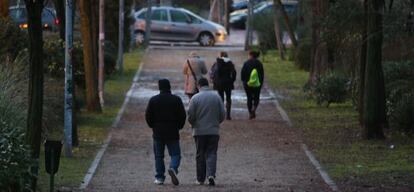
303 54
330 88
264 26
15 158
54 57
399 82
54 50
13 40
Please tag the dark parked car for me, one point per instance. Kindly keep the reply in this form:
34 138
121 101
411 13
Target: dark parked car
238 18
242 4
49 19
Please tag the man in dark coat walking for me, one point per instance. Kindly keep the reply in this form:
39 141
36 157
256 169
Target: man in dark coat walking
166 115
252 93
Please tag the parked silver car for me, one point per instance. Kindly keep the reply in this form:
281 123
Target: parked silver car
178 24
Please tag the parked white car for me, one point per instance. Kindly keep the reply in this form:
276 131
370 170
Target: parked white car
178 24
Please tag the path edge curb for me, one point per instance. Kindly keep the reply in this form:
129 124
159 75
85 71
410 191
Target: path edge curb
92 169
325 176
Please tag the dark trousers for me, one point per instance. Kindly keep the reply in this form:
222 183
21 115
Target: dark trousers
253 97
206 158
174 151
221 92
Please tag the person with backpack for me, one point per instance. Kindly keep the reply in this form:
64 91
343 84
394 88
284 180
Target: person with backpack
166 115
252 76
223 74
193 70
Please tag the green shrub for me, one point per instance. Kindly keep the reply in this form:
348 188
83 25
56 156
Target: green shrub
264 26
303 54
330 88
399 80
54 57
13 40
15 158
54 50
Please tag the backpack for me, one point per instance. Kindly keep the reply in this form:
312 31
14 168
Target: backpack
254 80
213 72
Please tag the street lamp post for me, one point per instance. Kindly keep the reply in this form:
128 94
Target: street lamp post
68 78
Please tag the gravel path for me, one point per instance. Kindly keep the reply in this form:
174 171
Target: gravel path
259 155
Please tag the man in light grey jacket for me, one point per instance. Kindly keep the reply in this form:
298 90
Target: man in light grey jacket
205 113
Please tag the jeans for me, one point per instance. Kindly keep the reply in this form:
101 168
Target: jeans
206 158
253 97
174 151
221 92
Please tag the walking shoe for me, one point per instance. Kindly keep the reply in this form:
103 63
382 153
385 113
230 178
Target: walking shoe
199 183
211 181
173 175
158 182
251 115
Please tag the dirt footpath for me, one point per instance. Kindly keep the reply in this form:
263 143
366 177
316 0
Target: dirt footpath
254 155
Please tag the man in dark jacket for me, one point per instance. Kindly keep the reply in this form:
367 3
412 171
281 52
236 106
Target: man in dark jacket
166 115
252 93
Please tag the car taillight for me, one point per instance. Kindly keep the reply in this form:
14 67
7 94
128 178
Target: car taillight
23 26
57 21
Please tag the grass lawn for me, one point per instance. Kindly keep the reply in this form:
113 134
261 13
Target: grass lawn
333 134
93 129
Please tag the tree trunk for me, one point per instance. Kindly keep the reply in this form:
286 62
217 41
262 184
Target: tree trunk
227 5
101 40
319 63
165 2
120 61
374 92
287 22
276 16
90 58
247 41
362 66
148 24
4 8
60 13
35 111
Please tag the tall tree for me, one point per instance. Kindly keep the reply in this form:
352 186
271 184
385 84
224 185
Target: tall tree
120 60
166 2
101 52
362 65
319 59
148 23
279 5
35 111
89 31
276 16
374 115
4 8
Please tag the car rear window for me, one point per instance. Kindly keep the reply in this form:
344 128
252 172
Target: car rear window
178 16
18 13
142 15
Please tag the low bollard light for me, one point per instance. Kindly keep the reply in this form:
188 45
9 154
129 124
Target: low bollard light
52 157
